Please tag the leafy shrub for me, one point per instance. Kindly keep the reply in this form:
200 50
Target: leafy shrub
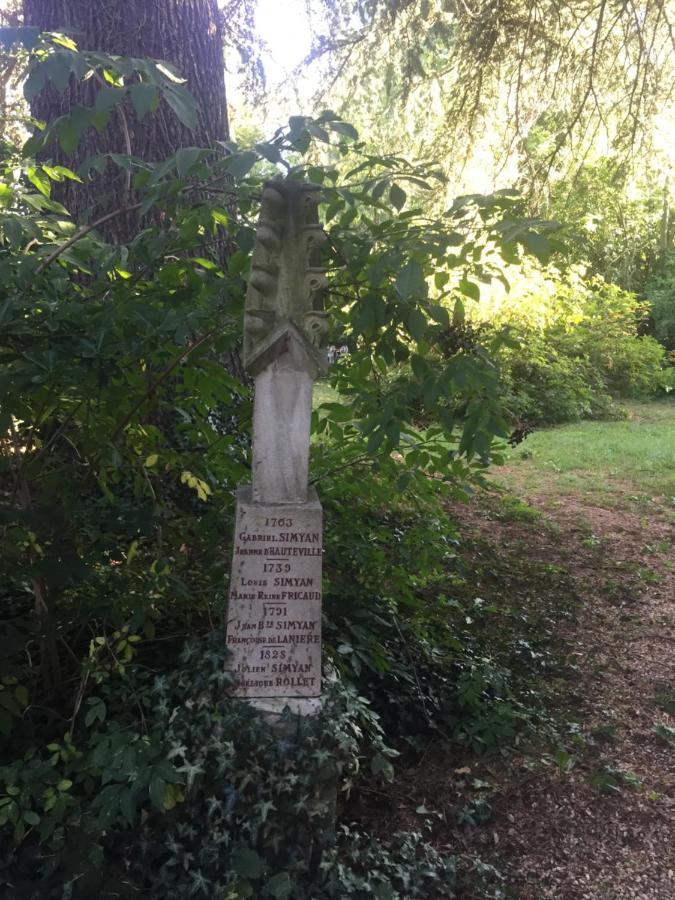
234 808
403 624
122 436
581 360
660 291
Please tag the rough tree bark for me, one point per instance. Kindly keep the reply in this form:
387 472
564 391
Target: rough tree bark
186 33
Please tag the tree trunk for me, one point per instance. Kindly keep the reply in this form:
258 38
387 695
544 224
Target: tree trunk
186 33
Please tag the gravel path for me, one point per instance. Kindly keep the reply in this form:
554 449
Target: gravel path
605 828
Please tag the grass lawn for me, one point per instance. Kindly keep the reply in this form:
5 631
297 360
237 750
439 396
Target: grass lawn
324 393
612 461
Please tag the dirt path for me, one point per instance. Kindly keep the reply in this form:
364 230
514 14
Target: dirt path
601 825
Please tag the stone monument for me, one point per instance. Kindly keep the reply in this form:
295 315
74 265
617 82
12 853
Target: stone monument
274 613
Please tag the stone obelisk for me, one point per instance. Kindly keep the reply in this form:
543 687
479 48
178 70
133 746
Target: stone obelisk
274 611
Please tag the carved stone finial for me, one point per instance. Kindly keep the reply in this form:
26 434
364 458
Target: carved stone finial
287 285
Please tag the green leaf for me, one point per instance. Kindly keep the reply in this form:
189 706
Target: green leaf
344 128
21 695
247 863
440 314
58 68
269 151
237 263
397 196
380 765
419 367
37 178
157 793
280 886
170 73
537 244
37 78
128 806
144 98
95 713
410 281
30 817
70 129
183 104
240 164
108 97
417 324
186 157
469 289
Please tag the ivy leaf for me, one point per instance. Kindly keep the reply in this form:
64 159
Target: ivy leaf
247 863
96 712
440 314
37 78
280 886
70 129
158 793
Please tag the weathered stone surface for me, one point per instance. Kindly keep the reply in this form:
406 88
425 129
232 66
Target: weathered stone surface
281 421
274 613
287 285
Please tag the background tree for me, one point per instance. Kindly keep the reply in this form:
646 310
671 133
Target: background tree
187 34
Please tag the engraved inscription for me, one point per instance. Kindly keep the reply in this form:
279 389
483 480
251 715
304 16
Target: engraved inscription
274 614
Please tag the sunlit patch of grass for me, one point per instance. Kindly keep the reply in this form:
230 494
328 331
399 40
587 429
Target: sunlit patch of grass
634 459
324 393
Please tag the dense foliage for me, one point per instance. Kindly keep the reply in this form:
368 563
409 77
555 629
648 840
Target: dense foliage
578 352
123 436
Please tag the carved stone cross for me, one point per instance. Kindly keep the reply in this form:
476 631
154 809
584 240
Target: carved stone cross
284 325
274 612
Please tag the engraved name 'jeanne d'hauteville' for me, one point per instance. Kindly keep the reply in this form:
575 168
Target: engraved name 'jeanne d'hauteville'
283 552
